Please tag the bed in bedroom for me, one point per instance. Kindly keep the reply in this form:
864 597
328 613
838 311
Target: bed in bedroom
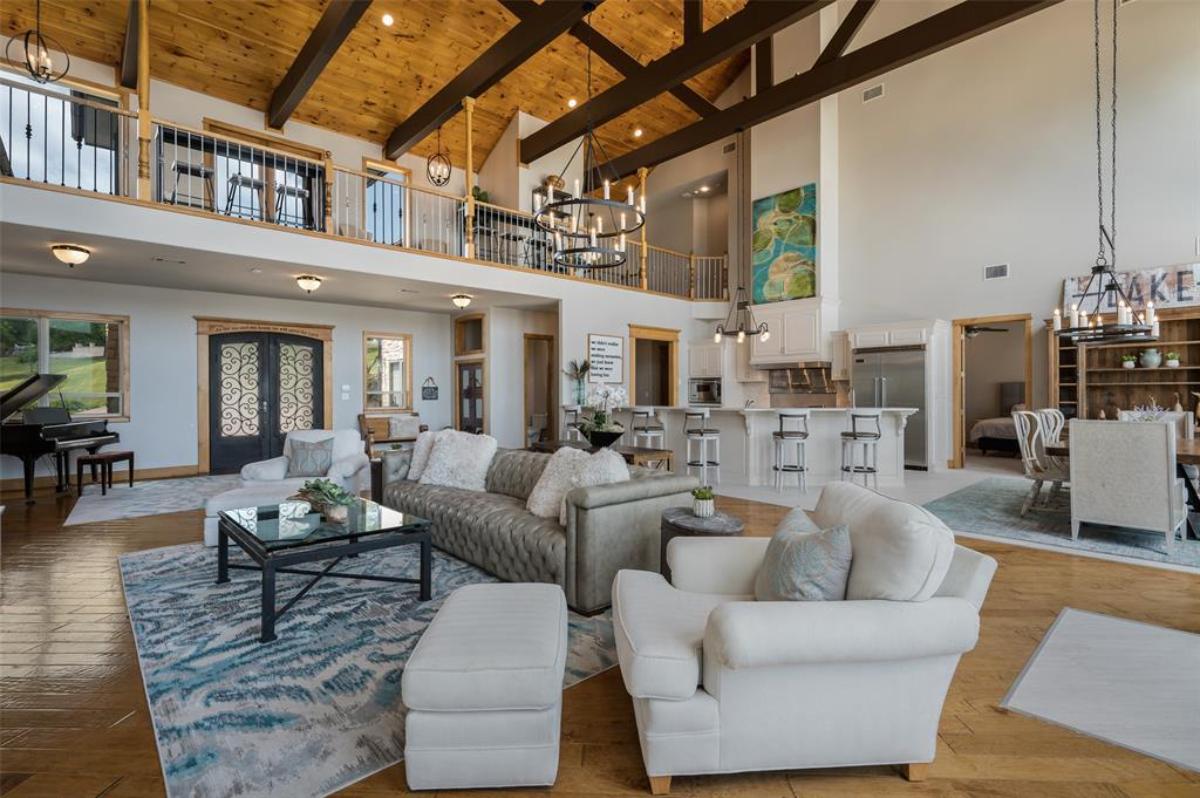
999 434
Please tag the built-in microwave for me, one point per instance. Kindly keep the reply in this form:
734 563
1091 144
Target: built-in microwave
704 391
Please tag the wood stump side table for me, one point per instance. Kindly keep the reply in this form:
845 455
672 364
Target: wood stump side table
679 521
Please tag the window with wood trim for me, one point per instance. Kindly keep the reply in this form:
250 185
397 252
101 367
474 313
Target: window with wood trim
92 351
387 372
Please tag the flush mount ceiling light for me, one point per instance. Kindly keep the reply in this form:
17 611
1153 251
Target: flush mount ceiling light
308 283
461 300
33 52
71 254
740 321
387 20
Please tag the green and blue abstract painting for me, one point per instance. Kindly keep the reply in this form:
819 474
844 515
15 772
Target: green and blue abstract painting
785 246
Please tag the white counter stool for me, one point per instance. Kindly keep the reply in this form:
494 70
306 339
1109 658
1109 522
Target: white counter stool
707 442
648 431
571 431
865 431
793 431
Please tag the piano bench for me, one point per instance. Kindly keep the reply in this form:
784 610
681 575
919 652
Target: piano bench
105 461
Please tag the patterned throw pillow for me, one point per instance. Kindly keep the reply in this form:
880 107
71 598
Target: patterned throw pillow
459 460
404 425
420 455
547 495
602 468
309 459
805 566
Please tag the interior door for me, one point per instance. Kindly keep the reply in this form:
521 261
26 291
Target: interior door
469 384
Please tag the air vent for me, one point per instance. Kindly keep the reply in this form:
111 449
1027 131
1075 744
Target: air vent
728 148
997 272
873 93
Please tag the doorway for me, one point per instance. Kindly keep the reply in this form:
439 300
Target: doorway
540 389
261 386
993 373
654 366
468 389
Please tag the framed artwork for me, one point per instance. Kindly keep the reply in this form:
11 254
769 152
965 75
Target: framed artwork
606 355
784 246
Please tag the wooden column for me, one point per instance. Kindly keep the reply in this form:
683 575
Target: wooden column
329 178
643 271
469 107
144 126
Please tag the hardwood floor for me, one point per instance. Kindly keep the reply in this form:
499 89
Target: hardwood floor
73 717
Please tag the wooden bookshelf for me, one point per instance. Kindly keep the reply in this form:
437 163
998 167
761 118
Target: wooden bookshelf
1088 378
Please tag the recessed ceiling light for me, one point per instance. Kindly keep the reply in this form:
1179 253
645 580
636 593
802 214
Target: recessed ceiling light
461 300
637 132
387 20
571 103
308 283
71 254
703 189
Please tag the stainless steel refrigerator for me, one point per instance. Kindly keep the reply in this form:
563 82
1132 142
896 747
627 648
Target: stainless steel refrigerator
895 377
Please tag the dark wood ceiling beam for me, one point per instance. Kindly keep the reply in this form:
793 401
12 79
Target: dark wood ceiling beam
129 51
541 26
758 20
938 32
764 64
845 33
614 56
335 25
693 19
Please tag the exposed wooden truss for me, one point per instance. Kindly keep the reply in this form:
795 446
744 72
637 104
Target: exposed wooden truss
764 64
540 27
756 21
842 37
938 32
129 48
693 19
336 22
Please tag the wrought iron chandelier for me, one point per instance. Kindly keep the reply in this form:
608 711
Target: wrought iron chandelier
437 166
590 232
1103 291
34 53
740 321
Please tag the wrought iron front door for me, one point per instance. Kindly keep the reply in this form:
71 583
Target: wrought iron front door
261 387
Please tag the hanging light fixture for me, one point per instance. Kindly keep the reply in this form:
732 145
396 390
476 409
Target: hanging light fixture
589 231
308 283
34 52
437 167
461 301
71 254
740 321
1103 293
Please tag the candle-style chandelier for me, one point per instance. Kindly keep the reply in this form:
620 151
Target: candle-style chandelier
1103 292
740 321
34 52
589 231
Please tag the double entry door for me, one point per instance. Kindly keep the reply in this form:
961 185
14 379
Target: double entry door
261 387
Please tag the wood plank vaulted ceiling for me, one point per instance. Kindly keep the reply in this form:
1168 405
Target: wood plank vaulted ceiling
239 50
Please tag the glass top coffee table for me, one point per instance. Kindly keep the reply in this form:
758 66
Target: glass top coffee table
279 537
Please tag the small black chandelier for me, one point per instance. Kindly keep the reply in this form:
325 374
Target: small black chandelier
590 232
34 52
437 166
740 321
1103 292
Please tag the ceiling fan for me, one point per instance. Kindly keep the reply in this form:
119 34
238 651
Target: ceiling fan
974 330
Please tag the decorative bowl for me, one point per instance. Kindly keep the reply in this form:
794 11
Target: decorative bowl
604 438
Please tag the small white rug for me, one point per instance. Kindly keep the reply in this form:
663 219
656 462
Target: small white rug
1128 683
148 498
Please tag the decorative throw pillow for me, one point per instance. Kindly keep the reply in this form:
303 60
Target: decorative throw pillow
805 566
420 454
309 458
797 521
546 498
404 425
459 460
602 468
396 463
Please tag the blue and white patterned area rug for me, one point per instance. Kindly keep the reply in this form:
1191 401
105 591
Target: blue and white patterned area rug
311 712
992 507
148 498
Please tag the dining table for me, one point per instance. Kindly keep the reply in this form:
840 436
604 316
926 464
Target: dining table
1187 450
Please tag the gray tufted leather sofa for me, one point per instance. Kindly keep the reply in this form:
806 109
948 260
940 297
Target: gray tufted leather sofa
609 527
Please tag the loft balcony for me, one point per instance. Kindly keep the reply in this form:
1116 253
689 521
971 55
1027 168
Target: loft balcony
80 145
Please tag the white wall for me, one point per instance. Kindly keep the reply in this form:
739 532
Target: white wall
162 350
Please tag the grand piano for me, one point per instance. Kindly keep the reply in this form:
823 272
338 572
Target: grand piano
37 431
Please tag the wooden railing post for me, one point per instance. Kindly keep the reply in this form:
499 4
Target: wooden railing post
469 250
144 124
644 270
692 275
725 277
329 193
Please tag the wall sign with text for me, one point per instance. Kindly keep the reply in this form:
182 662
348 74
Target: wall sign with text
1166 287
606 355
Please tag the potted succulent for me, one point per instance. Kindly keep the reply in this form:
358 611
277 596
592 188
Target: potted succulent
596 422
1128 361
1172 360
577 371
703 502
328 498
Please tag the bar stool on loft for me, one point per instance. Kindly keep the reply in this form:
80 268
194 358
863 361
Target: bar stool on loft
187 170
237 182
303 218
865 431
793 431
648 431
697 433
571 431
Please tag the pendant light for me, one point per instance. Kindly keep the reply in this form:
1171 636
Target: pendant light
740 321
1103 292
437 167
33 52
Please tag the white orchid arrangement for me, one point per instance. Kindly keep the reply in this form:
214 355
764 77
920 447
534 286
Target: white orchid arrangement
601 401
1150 412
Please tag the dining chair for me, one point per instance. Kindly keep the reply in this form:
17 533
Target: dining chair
1052 422
1039 467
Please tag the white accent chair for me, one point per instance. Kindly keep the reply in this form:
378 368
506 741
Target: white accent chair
1040 468
1052 422
723 684
1123 474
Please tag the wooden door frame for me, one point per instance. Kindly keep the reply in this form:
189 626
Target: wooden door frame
671 337
551 383
958 381
208 326
468 360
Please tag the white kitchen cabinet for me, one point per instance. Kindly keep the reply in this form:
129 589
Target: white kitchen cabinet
840 367
799 331
772 348
869 339
704 360
876 337
744 371
912 336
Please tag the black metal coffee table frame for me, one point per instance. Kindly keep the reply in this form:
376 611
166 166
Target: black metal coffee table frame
281 561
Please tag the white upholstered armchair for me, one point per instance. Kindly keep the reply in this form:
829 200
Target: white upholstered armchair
722 683
350 467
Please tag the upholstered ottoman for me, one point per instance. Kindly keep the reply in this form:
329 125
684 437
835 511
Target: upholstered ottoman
484 689
254 495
